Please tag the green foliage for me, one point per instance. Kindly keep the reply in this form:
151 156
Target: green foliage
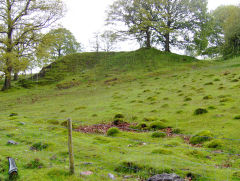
157 125
158 135
34 164
150 21
201 137
237 117
39 146
142 126
215 144
113 131
57 43
68 85
200 111
121 116
19 46
162 151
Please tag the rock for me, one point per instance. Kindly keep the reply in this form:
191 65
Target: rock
22 123
11 142
111 176
166 177
86 173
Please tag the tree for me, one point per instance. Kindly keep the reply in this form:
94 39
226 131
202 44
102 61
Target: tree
108 40
134 15
59 42
224 32
166 22
20 21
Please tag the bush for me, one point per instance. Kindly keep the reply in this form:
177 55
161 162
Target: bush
26 83
113 131
236 175
162 151
54 122
149 119
13 114
176 131
201 137
68 85
187 99
157 125
215 144
200 111
207 97
39 146
118 122
119 116
142 126
237 117
159 135
34 164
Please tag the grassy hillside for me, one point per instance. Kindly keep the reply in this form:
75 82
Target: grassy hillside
150 90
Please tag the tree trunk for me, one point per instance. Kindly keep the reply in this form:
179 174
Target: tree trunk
167 42
148 39
7 83
15 77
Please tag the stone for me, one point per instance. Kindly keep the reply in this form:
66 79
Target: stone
11 142
166 177
111 176
22 123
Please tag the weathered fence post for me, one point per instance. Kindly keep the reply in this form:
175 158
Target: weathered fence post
70 147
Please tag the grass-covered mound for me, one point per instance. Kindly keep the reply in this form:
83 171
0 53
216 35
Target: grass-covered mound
157 102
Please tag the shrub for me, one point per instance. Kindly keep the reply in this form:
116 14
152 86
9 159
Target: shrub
119 116
200 111
68 85
34 164
215 144
207 97
236 175
237 117
149 119
158 135
209 83
13 114
211 107
39 146
176 131
118 121
162 151
25 83
157 125
54 122
187 99
113 131
201 137
142 126
216 79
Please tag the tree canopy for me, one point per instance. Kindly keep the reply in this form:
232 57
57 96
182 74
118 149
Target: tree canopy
169 23
57 43
20 23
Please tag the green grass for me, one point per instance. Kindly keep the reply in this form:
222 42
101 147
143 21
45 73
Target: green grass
145 86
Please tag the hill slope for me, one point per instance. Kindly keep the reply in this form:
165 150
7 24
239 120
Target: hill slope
165 93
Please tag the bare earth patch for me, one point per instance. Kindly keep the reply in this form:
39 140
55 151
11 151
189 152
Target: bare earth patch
103 128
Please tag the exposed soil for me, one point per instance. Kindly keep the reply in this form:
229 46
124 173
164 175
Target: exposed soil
103 128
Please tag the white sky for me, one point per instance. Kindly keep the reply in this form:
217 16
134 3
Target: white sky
84 17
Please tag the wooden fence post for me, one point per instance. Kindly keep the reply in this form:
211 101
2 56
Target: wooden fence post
70 147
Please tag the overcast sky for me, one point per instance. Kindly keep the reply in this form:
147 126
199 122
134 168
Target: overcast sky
84 17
